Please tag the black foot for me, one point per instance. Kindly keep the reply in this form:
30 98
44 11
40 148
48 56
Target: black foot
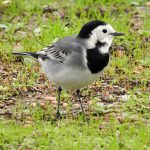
58 116
78 94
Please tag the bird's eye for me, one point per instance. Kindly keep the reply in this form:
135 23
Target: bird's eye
104 31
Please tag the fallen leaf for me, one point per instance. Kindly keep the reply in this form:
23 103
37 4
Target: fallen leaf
105 93
5 89
2 105
147 4
64 105
106 117
29 118
50 98
6 3
75 106
121 119
28 123
42 105
33 104
24 89
90 102
124 97
2 112
136 22
138 70
119 53
100 104
18 47
53 102
22 33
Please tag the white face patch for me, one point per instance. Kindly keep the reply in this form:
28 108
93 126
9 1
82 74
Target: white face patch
102 34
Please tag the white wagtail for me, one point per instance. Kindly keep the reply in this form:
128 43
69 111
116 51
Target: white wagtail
76 61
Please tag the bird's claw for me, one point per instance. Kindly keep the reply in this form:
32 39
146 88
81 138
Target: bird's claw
58 116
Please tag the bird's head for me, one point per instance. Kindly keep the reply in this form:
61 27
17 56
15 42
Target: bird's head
97 31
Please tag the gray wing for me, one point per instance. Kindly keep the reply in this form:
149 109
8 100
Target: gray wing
61 51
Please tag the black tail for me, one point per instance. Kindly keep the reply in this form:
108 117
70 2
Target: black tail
35 55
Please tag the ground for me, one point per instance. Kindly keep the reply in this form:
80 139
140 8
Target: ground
117 105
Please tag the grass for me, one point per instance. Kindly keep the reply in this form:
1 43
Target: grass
117 124
74 135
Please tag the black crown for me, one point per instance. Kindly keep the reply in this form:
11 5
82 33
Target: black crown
89 27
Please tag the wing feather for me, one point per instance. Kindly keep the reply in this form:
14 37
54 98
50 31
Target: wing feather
60 51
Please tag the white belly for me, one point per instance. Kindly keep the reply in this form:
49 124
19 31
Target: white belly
71 79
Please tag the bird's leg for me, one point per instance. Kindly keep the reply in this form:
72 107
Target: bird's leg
78 94
58 113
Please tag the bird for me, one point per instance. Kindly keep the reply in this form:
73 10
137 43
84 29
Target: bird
76 61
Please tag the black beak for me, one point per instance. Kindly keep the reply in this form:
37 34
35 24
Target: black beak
117 34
